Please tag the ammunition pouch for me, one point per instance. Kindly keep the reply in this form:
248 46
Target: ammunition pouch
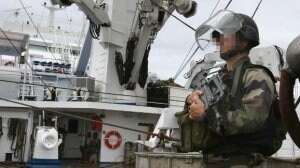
194 136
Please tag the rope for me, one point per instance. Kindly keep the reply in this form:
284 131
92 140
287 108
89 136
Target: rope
12 123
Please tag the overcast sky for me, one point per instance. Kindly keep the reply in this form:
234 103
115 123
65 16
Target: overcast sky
278 22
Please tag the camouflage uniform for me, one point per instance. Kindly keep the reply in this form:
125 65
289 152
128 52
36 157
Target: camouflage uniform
248 112
194 135
248 123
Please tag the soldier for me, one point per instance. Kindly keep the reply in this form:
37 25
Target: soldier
248 122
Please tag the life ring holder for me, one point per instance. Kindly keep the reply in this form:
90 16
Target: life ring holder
107 137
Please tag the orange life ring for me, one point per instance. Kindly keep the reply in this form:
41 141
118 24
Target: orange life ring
113 145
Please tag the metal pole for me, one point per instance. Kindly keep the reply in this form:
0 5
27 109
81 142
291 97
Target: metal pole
55 124
43 117
40 120
24 81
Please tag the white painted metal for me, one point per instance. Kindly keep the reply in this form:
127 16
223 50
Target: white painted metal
168 160
125 119
46 143
177 96
267 56
85 107
166 122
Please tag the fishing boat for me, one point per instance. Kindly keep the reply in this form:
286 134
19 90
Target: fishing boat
75 79
69 89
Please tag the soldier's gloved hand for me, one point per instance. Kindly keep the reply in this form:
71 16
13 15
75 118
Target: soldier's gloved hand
196 106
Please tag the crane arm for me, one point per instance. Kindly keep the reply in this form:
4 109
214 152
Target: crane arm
96 12
152 16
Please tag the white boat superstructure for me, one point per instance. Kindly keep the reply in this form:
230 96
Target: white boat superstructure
92 86
47 81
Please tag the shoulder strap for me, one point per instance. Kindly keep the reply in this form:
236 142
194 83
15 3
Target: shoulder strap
236 80
269 72
240 72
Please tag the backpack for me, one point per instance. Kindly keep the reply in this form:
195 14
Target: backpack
279 128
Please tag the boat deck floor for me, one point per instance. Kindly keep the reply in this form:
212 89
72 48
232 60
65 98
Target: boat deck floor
74 164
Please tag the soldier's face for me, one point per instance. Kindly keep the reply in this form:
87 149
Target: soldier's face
224 42
227 42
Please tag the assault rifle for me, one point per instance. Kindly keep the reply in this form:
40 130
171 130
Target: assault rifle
214 91
212 87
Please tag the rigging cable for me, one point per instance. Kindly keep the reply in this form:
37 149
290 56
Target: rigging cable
256 8
173 15
70 20
43 38
38 25
214 8
228 4
94 29
135 12
183 62
87 119
191 56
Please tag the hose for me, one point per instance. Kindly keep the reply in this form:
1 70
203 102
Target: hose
287 107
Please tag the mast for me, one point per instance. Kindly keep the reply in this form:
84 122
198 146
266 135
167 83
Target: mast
52 9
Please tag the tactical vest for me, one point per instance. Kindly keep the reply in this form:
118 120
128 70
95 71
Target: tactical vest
268 139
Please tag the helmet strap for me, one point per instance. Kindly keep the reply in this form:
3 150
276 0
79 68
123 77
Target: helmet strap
229 54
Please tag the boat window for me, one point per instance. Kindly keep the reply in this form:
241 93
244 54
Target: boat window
75 52
37 47
52 49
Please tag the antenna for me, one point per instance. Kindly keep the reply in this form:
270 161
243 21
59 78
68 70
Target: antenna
52 9
17 10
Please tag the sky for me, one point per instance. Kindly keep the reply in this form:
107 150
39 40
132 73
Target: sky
278 22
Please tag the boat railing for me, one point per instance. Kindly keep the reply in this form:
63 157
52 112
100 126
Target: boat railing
31 88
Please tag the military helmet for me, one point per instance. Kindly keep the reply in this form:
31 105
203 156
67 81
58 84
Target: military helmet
227 22
249 30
